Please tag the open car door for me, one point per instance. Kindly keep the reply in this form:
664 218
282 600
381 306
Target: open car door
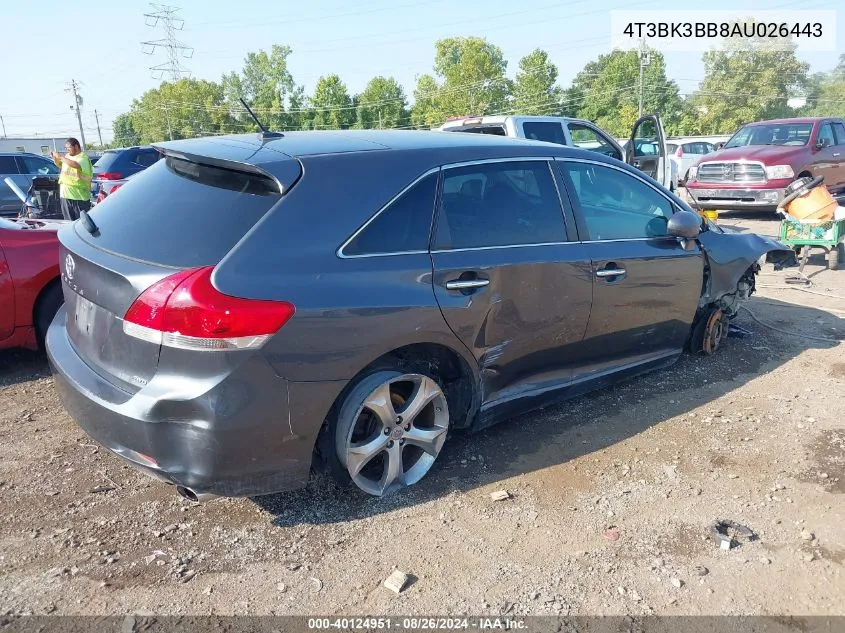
646 149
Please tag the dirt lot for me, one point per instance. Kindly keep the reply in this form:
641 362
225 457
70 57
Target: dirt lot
755 434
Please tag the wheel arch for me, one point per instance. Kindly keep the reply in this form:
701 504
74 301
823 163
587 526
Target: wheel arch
40 300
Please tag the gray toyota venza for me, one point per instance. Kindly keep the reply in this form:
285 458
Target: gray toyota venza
251 307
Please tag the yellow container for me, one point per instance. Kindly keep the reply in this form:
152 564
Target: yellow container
709 214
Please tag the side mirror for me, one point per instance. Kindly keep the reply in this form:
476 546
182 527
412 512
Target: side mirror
684 224
821 143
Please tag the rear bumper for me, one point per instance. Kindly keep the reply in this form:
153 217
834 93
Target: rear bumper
735 199
234 437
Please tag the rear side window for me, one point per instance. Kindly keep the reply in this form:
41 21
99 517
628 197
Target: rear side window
145 158
586 137
107 161
402 226
8 165
495 130
499 204
671 148
548 131
839 128
181 214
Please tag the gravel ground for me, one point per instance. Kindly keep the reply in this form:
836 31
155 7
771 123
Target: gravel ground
611 499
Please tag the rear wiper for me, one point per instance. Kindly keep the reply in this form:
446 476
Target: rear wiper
88 223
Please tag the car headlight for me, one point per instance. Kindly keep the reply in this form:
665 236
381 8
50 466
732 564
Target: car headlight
693 172
774 172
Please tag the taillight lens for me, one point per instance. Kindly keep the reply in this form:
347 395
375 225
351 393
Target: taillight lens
108 175
186 311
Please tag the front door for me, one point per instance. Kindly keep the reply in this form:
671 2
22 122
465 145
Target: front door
646 148
646 286
512 284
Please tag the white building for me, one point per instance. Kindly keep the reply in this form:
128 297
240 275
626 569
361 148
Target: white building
34 144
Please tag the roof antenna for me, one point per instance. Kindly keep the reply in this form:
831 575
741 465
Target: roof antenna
265 133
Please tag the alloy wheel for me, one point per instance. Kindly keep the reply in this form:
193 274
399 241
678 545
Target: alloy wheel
397 434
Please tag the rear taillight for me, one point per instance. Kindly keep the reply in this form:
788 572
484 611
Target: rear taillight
108 175
679 152
185 311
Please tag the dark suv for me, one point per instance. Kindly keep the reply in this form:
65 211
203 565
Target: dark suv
119 164
353 296
21 168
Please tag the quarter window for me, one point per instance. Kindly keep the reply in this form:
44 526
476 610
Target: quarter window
403 226
499 204
615 204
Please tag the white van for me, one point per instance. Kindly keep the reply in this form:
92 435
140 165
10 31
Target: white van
646 149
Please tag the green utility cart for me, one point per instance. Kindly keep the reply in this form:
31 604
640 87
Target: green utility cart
804 236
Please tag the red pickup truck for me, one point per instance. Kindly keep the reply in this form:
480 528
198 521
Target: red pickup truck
761 159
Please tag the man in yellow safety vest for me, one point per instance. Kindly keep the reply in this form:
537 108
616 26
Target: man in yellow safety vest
75 179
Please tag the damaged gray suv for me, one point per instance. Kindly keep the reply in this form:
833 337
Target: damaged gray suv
251 306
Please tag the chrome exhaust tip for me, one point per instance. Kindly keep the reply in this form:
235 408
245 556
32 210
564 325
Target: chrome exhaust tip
192 495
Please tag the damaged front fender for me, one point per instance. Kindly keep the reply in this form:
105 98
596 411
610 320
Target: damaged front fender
730 256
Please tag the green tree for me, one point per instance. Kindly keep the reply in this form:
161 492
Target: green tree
124 131
267 85
382 104
472 77
332 105
534 90
741 86
426 112
826 92
607 92
183 109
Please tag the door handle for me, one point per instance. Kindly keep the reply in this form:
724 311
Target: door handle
466 284
836 155
637 164
610 272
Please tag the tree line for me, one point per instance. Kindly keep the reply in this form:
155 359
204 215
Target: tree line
469 77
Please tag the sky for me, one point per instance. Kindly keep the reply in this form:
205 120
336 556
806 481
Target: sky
99 45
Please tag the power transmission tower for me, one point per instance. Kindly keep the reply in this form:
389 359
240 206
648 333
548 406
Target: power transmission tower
77 105
165 16
644 60
100 134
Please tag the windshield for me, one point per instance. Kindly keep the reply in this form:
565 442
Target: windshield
772 134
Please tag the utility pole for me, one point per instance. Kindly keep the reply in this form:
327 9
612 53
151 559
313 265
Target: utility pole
77 105
644 60
3 123
99 134
168 18
167 118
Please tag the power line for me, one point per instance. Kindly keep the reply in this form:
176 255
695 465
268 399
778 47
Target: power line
166 16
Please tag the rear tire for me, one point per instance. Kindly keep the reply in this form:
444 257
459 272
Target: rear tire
388 432
48 303
833 258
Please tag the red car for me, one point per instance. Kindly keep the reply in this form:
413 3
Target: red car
754 167
30 288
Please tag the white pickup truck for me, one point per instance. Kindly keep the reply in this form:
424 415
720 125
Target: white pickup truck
645 149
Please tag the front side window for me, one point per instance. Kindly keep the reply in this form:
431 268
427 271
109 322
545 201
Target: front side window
586 137
403 226
548 131
499 204
615 204
826 135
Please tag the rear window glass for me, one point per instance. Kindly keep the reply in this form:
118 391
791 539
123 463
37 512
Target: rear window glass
403 226
182 214
107 160
495 130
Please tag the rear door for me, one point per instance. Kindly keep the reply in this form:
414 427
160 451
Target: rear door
513 284
647 286
646 149
825 163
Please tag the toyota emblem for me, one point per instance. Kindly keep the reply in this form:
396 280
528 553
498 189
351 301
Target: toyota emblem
70 266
